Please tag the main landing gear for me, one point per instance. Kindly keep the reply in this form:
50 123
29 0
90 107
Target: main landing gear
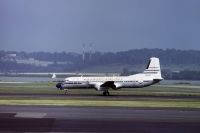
106 93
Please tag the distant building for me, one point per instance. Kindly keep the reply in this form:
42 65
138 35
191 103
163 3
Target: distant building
12 55
9 57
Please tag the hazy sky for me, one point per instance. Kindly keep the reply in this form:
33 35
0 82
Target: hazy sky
111 25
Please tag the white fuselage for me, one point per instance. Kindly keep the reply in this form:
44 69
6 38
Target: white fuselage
134 81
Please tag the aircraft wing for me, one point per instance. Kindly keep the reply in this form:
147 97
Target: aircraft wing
108 84
104 85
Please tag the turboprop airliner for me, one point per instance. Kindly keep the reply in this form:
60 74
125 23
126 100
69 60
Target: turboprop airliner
150 76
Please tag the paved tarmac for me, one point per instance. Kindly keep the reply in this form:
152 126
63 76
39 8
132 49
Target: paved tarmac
98 119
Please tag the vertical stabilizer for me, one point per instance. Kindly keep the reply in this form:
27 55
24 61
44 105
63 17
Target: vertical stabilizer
153 68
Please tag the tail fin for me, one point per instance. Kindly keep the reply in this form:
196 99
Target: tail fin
153 68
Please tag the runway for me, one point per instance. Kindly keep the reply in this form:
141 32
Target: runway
97 119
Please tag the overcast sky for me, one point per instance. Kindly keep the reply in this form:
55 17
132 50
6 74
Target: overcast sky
111 25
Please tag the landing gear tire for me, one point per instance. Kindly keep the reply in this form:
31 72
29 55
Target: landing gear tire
106 93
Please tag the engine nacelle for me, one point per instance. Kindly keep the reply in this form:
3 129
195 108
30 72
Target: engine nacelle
116 86
98 87
59 86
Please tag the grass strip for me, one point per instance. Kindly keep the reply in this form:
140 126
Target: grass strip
103 103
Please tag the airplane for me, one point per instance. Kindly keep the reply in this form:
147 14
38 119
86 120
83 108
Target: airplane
150 76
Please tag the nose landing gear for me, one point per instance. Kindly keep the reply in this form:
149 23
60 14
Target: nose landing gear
66 91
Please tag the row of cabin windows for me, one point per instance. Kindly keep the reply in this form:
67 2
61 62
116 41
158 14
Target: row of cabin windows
98 81
72 83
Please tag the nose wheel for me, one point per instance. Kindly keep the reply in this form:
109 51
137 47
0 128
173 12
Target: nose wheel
106 93
66 91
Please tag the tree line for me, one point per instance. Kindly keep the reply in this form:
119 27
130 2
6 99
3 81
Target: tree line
184 62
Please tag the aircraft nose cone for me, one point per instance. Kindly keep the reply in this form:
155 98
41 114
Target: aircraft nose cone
58 85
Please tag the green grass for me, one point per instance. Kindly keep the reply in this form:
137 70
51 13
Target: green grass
103 103
32 88
90 97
